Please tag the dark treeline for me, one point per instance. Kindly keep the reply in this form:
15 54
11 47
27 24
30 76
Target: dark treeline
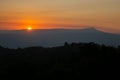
73 61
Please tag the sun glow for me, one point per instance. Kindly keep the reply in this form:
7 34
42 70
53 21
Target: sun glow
29 28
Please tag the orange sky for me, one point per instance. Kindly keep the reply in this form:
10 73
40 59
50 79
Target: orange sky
75 14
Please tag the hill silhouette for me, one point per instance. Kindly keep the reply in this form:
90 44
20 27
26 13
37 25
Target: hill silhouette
73 61
56 37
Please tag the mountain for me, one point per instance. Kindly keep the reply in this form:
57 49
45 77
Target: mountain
56 37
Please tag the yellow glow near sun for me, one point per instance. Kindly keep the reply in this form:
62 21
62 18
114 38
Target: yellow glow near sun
29 28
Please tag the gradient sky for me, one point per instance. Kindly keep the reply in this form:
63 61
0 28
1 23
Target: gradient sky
101 14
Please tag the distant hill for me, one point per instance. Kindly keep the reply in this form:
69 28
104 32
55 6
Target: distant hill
56 37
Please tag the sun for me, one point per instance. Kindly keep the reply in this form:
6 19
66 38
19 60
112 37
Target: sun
29 28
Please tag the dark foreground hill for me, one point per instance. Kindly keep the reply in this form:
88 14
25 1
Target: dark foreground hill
69 62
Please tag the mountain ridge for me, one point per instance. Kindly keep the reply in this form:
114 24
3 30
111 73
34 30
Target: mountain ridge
56 29
60 29
56 37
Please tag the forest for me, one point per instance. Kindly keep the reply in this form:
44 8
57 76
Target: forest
72 61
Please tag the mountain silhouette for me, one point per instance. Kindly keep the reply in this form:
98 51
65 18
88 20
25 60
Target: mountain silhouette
56 37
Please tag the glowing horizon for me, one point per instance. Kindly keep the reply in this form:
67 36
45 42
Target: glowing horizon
69 14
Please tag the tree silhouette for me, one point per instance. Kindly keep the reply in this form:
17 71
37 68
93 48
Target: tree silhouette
71 61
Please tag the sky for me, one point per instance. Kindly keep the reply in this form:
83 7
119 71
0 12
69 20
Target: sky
69 14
